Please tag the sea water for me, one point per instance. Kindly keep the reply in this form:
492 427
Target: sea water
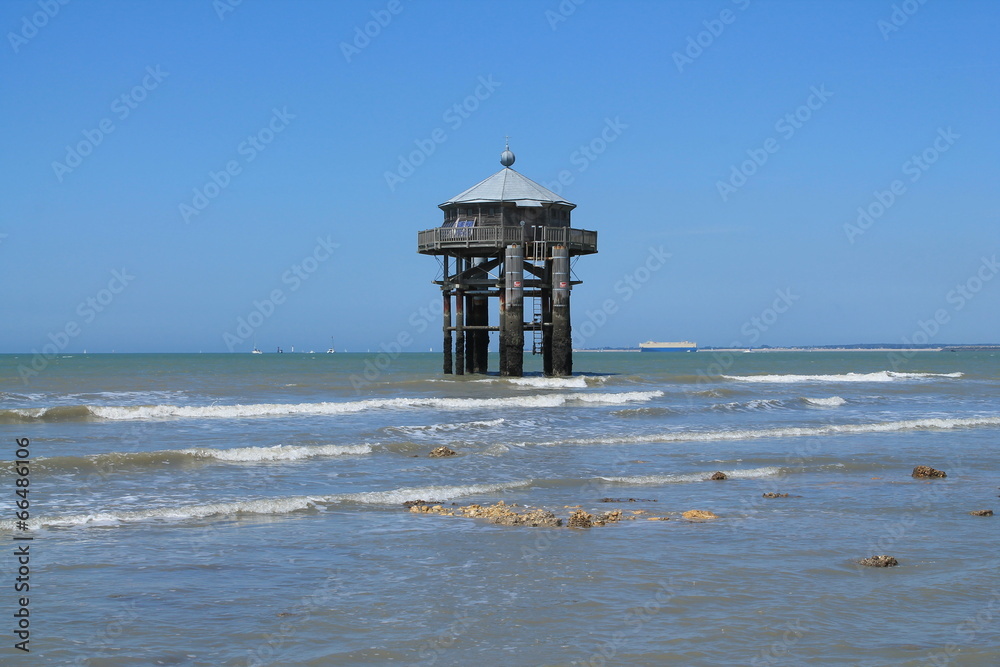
248 510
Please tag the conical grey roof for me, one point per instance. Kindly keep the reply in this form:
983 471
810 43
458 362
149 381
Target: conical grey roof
507 185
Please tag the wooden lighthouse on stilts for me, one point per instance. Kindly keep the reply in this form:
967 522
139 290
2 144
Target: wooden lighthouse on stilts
510 238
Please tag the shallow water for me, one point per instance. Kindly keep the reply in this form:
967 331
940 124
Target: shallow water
247 509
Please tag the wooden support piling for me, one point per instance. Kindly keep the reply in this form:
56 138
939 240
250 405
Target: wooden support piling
481 349
446 320
512 324
460 331
547 325
562 344
471 337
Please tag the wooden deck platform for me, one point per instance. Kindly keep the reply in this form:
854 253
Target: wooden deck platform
491 240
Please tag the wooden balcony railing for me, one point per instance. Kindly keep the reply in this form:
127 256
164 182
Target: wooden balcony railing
494 238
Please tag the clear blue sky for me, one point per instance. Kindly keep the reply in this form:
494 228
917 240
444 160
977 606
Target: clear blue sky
310 128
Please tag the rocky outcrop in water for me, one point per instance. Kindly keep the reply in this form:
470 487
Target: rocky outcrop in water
772 494
512 515
411 503
981 512
718 475
441 451
927 471
581 519
627 500
501 514
879 561
699 515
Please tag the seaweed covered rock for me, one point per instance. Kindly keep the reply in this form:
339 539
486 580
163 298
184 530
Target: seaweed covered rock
605 518
699 515
441 452
719 475
627 500
879 561
927 471
773 494
981 512
533 518
503 514
410 503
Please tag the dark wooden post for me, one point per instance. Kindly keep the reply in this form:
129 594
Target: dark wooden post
481 336
512 325
446 319
562 343
460 330
547 322
503 318
471 335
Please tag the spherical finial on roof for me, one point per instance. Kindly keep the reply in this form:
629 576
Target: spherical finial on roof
506 158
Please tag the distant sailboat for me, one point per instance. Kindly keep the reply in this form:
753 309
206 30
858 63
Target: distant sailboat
331 350
255 350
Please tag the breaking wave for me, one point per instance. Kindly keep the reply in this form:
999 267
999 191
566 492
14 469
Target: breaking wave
266 506
786 431
446 428
756 404
752 473
541 382
775 403
880 376
153 412
575 382
642 412
831 402
113 460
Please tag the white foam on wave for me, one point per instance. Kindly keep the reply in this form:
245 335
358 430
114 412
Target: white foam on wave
187 512
787 431
880 376
618 398
756 404
643 480
399 496
121 413
10 395
437 428
276 453
540 382
578 382
830 402
265 506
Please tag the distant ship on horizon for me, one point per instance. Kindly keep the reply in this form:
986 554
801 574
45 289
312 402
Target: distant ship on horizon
682 346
